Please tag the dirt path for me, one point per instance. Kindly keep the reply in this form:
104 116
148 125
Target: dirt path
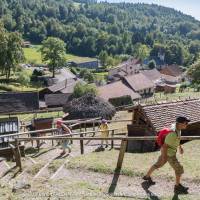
130 187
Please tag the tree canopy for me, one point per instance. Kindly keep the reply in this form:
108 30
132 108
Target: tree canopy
53 53
89 28
11 52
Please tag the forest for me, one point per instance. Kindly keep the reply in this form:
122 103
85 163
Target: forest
89 28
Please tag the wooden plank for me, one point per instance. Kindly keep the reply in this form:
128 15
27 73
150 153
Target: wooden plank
59 169
81 144
112 141
139 138
121 155
18 155
41 170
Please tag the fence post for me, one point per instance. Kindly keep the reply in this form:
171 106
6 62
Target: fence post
81 145
121 155
93 126
112 141
18 155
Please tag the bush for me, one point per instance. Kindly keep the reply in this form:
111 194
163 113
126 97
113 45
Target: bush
121 101
83 89
5 87
23 78
35 74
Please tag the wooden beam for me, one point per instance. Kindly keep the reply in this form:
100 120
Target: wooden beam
81 144
121 155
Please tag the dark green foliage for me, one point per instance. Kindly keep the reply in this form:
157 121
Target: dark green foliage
89 28
83 89
152 64
121 101
36 73
89 106
87 75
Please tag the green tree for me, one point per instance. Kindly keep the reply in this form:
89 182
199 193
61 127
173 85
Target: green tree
194 72
53 53
24 77
82 89
103 57
11 53
141 51
152 64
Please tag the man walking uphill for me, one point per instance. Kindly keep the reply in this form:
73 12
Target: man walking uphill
171 142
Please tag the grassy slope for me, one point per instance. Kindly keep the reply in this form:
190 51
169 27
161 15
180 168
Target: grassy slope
33 55
137 164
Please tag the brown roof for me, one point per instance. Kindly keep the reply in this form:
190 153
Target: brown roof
152 74
139 82
170 79
14 102
164 115
115 90
128 67
56 99
172 70
66 86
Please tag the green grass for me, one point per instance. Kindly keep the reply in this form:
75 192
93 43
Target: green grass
136 164
33 55
159 97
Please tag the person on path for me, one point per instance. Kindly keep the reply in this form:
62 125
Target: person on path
63 129
168 154
104 132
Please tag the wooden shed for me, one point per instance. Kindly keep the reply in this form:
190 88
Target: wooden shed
8 126
148 120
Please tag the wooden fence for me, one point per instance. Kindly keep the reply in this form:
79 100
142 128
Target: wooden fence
123 140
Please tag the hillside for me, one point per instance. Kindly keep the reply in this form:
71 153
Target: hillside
123 28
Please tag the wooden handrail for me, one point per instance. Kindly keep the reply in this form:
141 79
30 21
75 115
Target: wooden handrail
51 130
146 138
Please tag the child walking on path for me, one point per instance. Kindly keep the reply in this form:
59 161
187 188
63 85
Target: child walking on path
63 129
168 154
104 132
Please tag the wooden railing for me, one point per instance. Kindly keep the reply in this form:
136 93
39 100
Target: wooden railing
123 140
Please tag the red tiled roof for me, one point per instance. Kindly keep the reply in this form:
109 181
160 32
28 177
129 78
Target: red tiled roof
139 82
115 90
163 115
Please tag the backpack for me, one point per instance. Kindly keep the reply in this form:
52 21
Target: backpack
161 136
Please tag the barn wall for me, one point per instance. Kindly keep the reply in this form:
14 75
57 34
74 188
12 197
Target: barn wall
139 146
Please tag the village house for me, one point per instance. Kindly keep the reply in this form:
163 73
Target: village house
16 102
164 83
92 64
149 119
118 92
173 70
60 75
140 84
26 44
60 91
129 67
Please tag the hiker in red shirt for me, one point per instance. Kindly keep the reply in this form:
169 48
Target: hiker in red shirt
169 140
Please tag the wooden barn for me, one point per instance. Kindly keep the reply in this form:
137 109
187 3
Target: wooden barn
18 102
148 120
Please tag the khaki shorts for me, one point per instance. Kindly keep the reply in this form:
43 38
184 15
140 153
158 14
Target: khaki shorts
175 164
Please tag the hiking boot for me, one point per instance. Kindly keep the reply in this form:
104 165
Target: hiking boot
149 179
180 189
